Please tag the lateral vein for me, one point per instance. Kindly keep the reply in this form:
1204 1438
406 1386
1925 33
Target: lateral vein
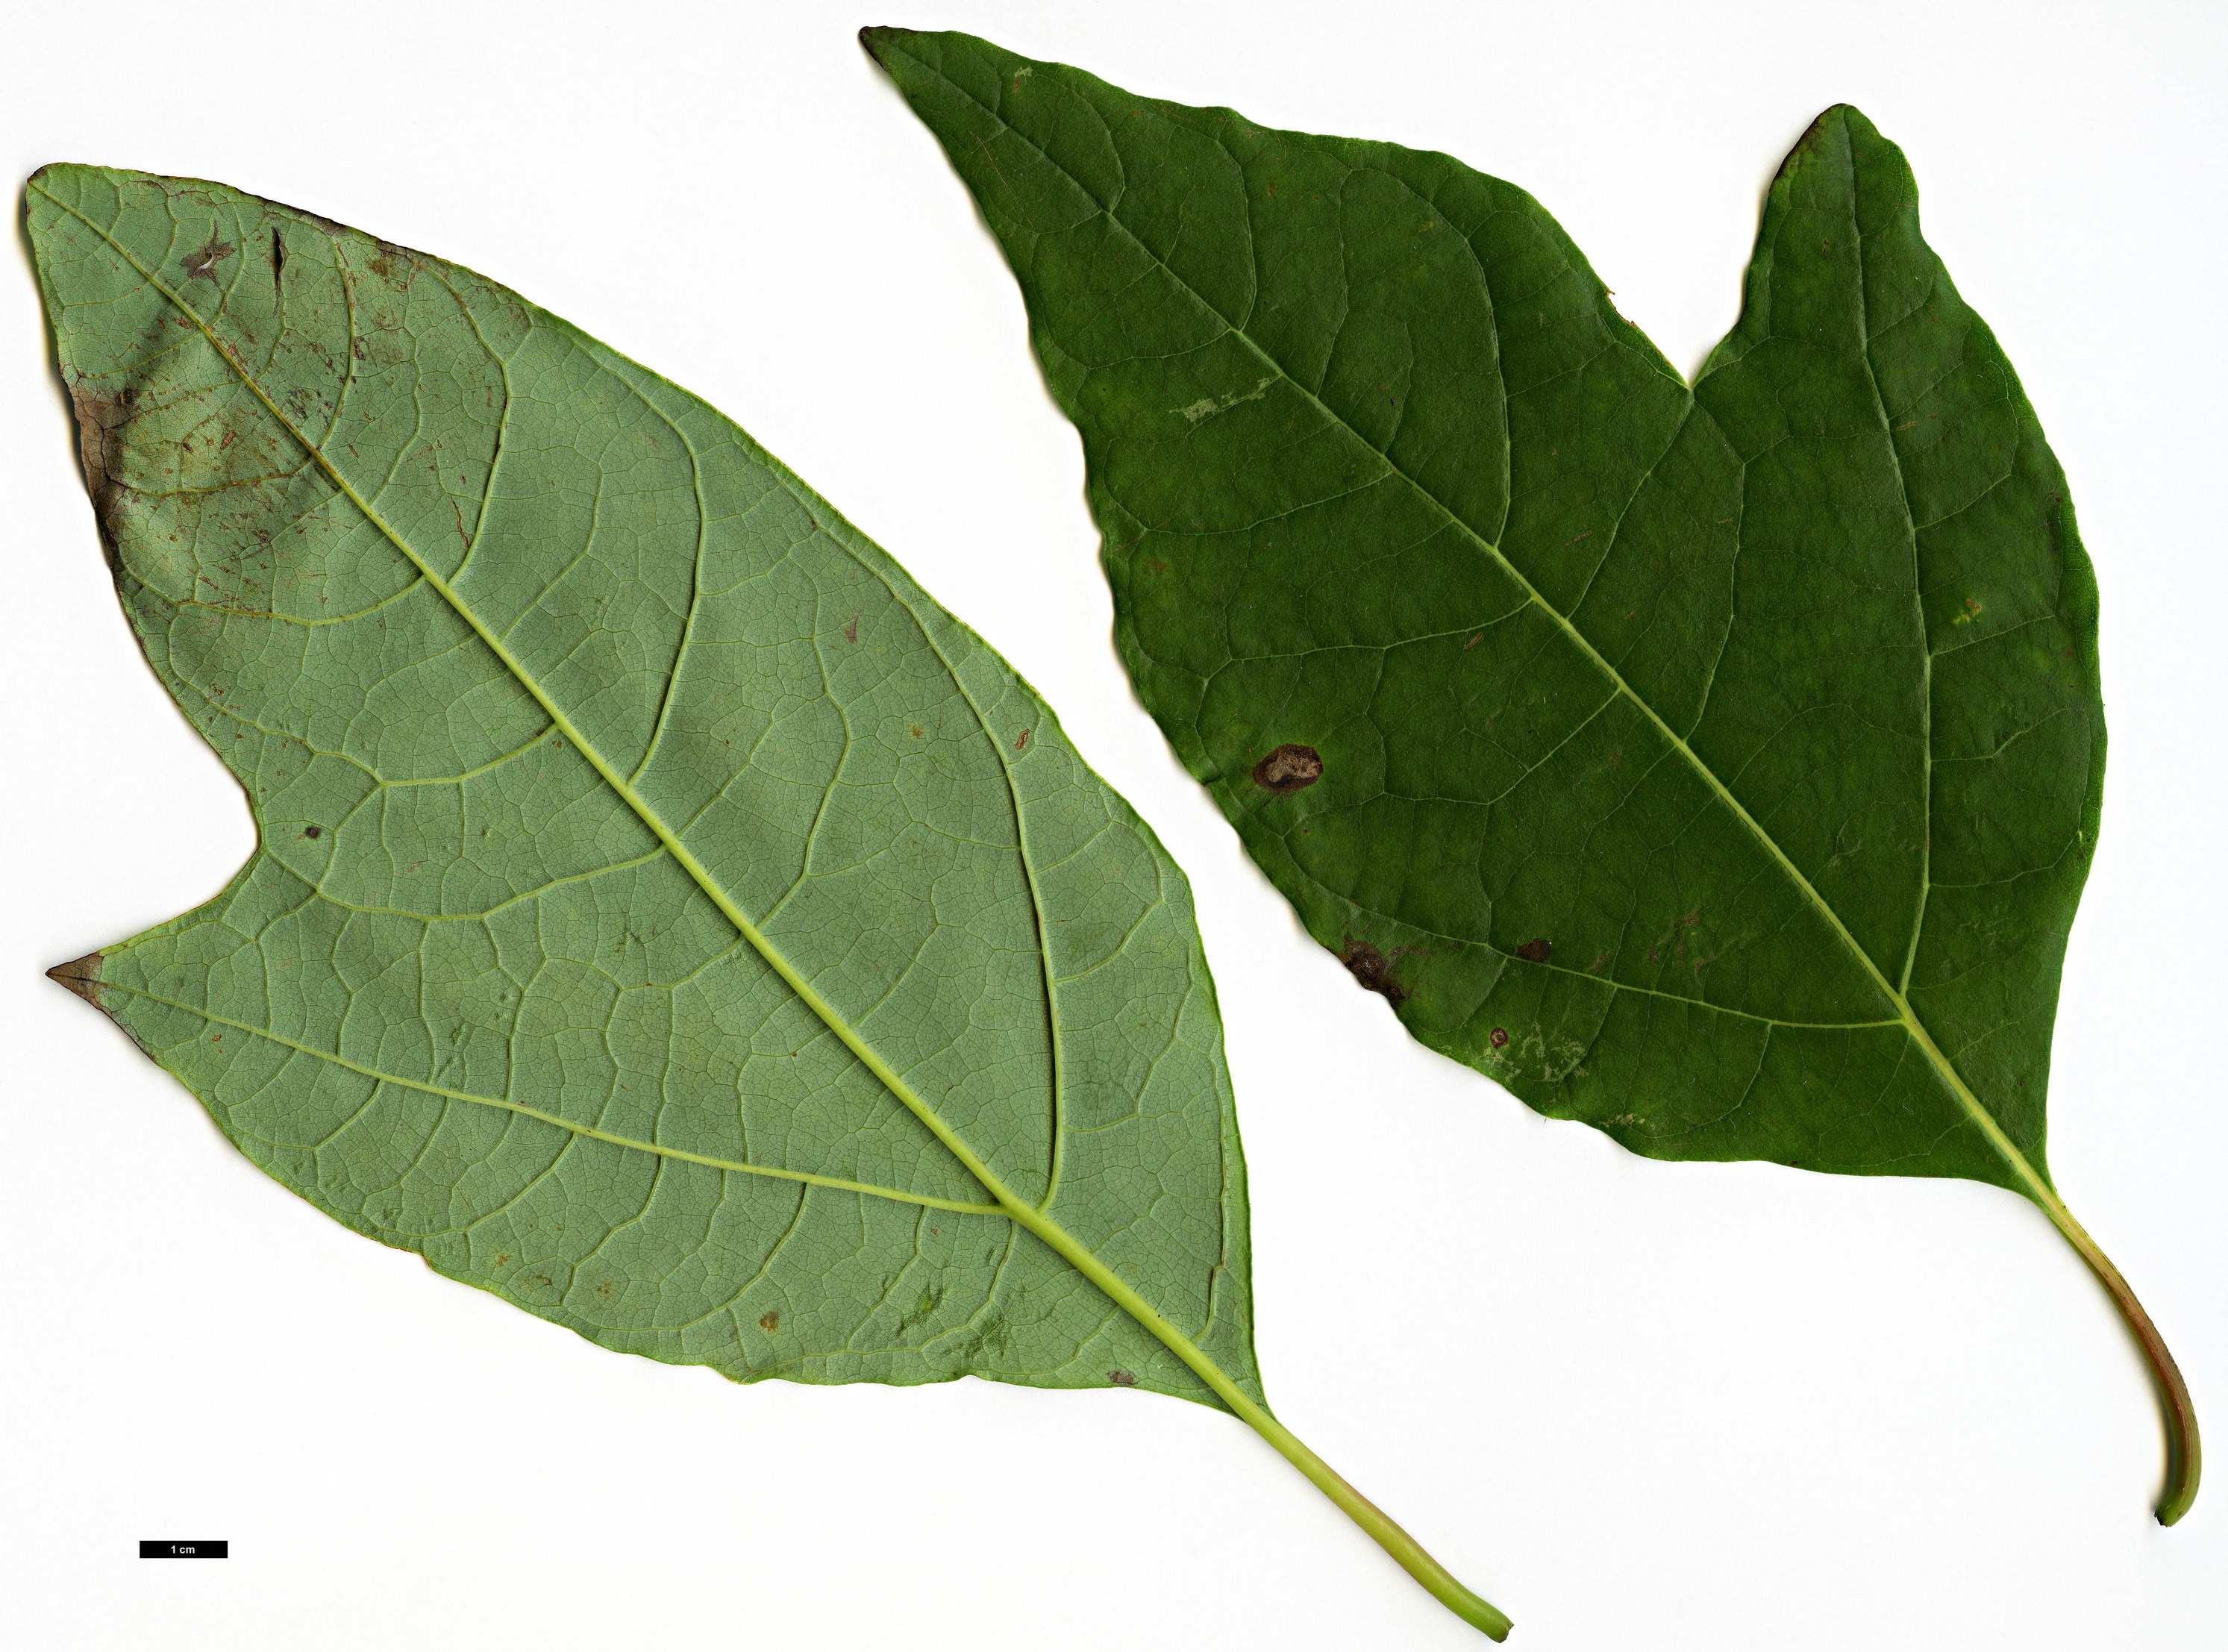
810 1178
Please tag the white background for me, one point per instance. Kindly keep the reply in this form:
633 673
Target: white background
1639 1405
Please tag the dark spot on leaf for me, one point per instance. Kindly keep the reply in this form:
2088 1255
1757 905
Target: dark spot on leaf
1374 970
82 976
851 629
1021 741
1473 642
770 1320
1121 1379
202 264
1535 952
278 257
1289 768
313 831
1499 1037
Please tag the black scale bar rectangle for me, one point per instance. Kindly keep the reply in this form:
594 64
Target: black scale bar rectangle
185 1548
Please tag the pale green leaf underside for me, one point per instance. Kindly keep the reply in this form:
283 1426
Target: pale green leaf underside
1719 766
634 837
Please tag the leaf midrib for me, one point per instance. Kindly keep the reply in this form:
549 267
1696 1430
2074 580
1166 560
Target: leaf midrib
2032 1179
1064 1244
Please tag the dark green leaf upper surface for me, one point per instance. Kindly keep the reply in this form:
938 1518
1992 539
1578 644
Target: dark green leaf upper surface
1719 765
659 900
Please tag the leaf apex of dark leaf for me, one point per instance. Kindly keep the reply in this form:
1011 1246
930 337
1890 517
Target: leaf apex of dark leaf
875 36
1855 126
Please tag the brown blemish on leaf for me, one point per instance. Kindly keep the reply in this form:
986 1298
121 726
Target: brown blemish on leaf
202 264
1289 768
277 258
851 629
313 831
1499 1037
1373 969
1121 1379
1535 952
1021 741
770 1320
82 976
1805 145
98 416
1474 640
388 255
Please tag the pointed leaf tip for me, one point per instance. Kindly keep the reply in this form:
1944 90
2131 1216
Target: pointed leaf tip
82 976
872 36
1855 126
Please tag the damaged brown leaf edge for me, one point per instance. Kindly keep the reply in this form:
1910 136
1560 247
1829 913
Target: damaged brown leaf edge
82 976
97 417
1373 969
